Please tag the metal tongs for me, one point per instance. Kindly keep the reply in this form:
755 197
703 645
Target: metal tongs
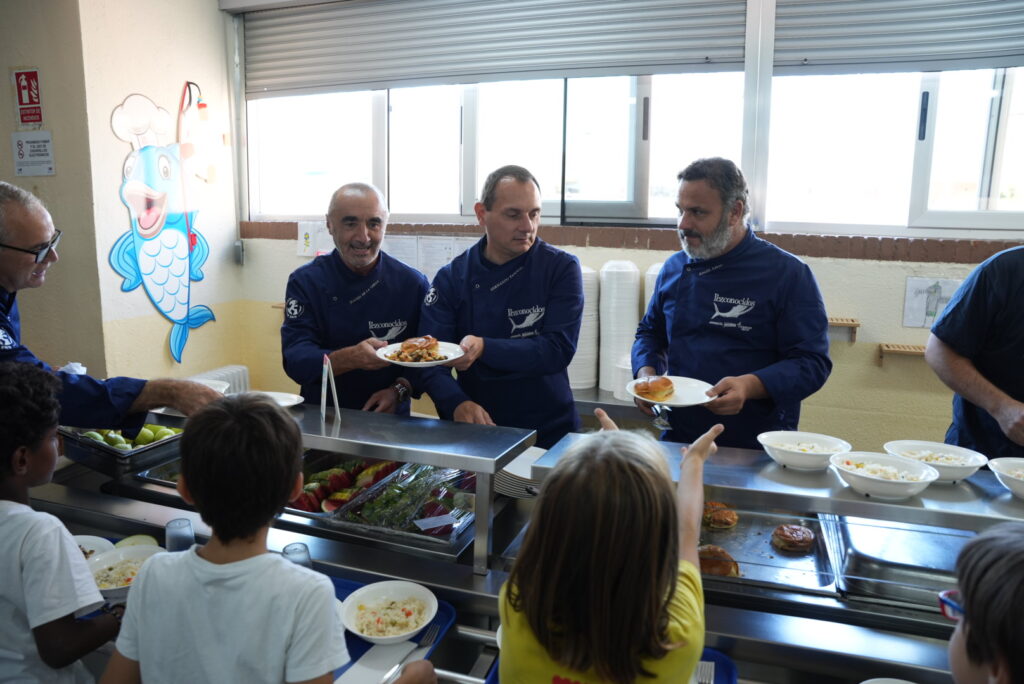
661 416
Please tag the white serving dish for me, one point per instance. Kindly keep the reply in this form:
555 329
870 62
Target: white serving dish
1002 467
824 447
96 545
878 487
948 472
686 392
102 560
384 591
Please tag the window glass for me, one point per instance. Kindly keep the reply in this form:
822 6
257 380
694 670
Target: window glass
1009 177
599 139
302 148
424 144
692 116
958 154
520 122
841 148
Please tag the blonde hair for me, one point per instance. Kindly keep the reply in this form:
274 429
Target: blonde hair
598 565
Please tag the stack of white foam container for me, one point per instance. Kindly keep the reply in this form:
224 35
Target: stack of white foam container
619 315
583 368
650 279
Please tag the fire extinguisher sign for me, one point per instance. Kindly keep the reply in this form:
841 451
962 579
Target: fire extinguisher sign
26 97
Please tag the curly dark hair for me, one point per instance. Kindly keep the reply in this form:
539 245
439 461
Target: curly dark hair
29 397
240 456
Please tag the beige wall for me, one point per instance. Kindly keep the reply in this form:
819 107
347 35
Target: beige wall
62 321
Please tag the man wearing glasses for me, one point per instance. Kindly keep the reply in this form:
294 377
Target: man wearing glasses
28 248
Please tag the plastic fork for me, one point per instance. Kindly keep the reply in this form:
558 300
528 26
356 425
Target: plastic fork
706 672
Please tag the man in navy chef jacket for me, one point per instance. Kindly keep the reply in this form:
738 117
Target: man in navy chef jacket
977 348
734 311
515 304
350 303
28 248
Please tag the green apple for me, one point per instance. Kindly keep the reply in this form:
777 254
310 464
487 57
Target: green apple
144 437
92 434
163 433
114 438
123 446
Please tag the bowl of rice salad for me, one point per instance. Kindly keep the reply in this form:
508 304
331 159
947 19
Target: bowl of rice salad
114 571
954 463
388 612
1010 473
883 476
801 450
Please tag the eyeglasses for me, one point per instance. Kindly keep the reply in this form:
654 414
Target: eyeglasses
41 253
949 604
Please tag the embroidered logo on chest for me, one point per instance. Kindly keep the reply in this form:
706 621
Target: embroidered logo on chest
6 341
729 309
387 331
522 319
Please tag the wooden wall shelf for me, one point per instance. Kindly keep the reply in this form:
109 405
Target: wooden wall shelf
844 322
900 349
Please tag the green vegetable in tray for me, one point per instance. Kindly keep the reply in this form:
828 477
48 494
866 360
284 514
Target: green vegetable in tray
418 493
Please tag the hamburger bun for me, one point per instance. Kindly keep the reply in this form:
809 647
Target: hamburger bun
425 343
714 560
719 516
793 538
654 388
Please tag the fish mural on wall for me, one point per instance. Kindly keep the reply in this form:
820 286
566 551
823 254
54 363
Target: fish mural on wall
163 252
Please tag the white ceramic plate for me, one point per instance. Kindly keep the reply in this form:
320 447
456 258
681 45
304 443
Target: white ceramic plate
449 349
379 592
688 392
93 544
283 398
965 461
216 385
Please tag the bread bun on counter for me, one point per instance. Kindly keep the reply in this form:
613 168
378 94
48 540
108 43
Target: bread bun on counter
719 516
654 388
793 538
714 560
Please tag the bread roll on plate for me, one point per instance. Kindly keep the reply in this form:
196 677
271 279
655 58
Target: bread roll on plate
654 388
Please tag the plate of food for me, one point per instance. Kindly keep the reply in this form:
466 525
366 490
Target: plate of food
91 545
420 352
388 612
670 390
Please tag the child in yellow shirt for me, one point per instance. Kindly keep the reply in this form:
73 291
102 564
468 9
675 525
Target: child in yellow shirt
606 586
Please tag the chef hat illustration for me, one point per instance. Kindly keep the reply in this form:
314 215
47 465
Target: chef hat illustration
139 122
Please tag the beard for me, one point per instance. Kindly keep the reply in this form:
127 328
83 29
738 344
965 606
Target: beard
710 246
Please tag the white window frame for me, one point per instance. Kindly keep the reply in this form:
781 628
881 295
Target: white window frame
920 216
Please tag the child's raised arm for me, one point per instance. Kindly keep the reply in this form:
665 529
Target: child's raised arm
690 492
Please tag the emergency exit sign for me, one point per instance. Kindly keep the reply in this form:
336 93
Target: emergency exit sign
26 97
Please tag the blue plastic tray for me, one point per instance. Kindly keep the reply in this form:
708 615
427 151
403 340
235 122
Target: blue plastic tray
725 669
357 647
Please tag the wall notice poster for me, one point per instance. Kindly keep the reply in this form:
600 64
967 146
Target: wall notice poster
925 299
33 153
27 103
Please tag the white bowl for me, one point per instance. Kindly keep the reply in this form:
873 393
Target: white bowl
932 453
1002 467
93 545
100 561
879 487
820 448
378 592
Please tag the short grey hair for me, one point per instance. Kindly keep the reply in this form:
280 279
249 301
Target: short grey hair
488 194
724 176
364 188
12 194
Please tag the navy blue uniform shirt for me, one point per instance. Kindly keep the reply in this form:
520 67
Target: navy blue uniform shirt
755 309
328 306
528 311
84 400
984 322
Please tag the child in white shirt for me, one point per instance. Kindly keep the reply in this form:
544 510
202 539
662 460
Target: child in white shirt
46 583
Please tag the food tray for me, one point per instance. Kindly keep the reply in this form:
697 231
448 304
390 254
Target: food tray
315 461
749 543
444 618
165 474
114 462
894 562
414 486
102 447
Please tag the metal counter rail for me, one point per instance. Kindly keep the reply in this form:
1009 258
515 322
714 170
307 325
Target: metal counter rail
482 449
972 504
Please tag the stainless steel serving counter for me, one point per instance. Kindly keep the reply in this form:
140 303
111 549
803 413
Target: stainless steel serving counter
972 504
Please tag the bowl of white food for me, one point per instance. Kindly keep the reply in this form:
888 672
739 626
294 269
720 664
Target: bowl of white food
883 476
388 612
954 463
801 450
1010 473
114 571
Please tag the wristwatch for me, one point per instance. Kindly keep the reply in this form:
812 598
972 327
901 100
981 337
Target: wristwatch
402 390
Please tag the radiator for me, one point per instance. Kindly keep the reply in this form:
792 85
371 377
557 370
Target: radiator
237 377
